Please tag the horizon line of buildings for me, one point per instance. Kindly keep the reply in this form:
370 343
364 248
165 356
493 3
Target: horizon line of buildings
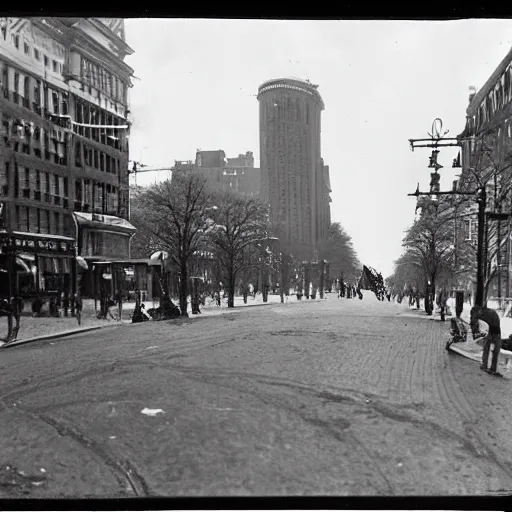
292 178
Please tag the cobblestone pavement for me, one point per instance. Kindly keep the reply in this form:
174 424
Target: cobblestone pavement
336 397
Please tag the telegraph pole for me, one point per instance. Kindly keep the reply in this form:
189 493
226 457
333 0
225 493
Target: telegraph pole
439 140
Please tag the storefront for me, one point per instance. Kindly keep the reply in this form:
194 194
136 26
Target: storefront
126 276
36 266
101 240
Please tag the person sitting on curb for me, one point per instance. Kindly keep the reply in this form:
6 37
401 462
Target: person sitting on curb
491 318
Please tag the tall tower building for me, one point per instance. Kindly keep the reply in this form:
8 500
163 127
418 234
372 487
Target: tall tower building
294 179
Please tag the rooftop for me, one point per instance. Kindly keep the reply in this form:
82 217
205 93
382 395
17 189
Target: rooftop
292 81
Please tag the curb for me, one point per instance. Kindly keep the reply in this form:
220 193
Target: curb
97 327
56 335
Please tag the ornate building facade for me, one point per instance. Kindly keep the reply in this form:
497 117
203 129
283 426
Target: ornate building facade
294 180
64 145
486 151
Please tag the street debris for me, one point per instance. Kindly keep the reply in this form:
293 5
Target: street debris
42 470
367 401
151 412
112 437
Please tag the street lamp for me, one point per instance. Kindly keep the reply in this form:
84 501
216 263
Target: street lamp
437 140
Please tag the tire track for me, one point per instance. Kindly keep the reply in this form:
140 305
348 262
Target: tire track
38 383
124 471
363 459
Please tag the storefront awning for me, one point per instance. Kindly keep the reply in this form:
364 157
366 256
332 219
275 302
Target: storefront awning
22 264
82 263
110 222
159 255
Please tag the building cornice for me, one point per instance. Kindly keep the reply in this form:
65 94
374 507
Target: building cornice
480 96
94 51
127 50
294 84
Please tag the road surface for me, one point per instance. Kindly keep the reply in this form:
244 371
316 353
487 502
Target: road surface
333 397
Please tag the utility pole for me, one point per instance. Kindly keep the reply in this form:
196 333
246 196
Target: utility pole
437 140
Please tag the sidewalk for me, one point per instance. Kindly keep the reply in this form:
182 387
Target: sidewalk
45 327
506 322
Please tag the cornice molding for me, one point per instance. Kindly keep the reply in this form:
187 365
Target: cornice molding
104 29
88 47
480 96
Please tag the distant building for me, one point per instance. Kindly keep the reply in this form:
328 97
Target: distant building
294 180
237 174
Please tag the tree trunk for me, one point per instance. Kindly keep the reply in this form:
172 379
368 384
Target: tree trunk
231 288
183 289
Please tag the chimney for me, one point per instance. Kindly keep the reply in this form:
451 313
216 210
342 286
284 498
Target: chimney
472 92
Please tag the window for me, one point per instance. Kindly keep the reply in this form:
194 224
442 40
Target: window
16 82
26 48
5 80
46 61
16 181
78 154
26 92
4 32
37 55
16 40
55 66
95 75
37 93
55 101
5 184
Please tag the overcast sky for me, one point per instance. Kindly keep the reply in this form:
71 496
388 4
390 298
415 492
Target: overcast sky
382 83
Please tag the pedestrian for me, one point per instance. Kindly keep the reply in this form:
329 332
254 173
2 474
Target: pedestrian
119 301
78 306
491 318
65 301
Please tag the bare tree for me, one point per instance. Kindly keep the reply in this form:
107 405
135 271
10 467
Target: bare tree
430 242
240 223
143 243
176 216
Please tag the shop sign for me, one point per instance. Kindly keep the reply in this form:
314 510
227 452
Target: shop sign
41 245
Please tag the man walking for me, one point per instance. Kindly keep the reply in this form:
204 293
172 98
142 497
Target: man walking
491 318
119 301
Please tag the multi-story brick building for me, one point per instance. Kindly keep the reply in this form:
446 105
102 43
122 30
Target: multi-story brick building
294 180
64 146
486 150
237 174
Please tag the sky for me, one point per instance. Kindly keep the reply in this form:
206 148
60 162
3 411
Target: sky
382 82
